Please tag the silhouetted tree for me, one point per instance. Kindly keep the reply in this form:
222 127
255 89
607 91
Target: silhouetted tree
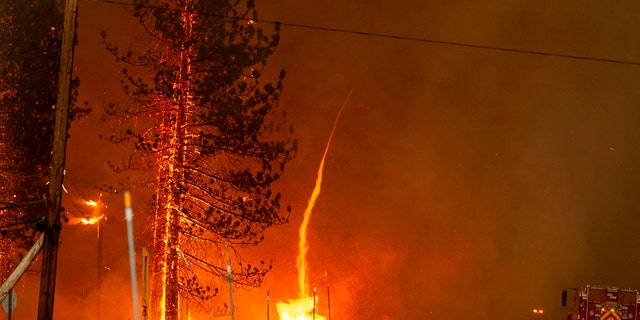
199 117
30 45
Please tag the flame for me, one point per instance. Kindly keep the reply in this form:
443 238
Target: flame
96 215
96 205
304 307
298 309
92 220
91 203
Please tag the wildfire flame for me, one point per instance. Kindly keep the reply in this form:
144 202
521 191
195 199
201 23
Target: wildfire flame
303 308
92 220
97 206
91 203
298 309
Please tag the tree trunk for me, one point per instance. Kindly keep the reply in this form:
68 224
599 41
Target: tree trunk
168 261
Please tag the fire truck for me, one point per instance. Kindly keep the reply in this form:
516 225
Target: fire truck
603 303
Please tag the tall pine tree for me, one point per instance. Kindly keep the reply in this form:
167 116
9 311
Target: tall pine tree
202 121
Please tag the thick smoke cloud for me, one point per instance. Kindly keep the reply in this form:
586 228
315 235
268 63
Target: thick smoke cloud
461 182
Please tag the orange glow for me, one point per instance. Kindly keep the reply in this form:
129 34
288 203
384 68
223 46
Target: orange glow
91 203
298 309
303 307
96 218
92 220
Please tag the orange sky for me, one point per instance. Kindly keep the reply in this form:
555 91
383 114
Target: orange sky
459 181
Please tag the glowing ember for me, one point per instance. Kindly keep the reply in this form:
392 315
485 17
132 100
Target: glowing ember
91 203
304 307
92 220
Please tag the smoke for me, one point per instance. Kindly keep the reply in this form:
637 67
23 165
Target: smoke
463 181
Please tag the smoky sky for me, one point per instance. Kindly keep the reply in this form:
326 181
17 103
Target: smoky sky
461 182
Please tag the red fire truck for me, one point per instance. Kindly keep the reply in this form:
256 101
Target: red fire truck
603 303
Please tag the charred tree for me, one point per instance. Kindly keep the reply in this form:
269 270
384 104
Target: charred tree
200 119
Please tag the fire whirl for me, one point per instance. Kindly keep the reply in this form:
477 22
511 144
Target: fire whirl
303 308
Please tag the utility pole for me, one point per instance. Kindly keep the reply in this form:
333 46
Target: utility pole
20 269
100 267
52 232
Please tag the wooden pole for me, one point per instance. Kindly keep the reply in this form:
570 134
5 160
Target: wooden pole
328 302
21 268
52 232
145 284
10 304
230 280
100 267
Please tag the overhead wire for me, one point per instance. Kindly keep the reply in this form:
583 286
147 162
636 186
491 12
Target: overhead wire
392 36
35 222
8 204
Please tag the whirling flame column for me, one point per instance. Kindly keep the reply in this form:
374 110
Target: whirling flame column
300 309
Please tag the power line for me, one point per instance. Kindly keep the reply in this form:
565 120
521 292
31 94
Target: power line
37 222
8 204
458 44
392 36
461 44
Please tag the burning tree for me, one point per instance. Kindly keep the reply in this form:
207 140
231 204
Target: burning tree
30 45
199 118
